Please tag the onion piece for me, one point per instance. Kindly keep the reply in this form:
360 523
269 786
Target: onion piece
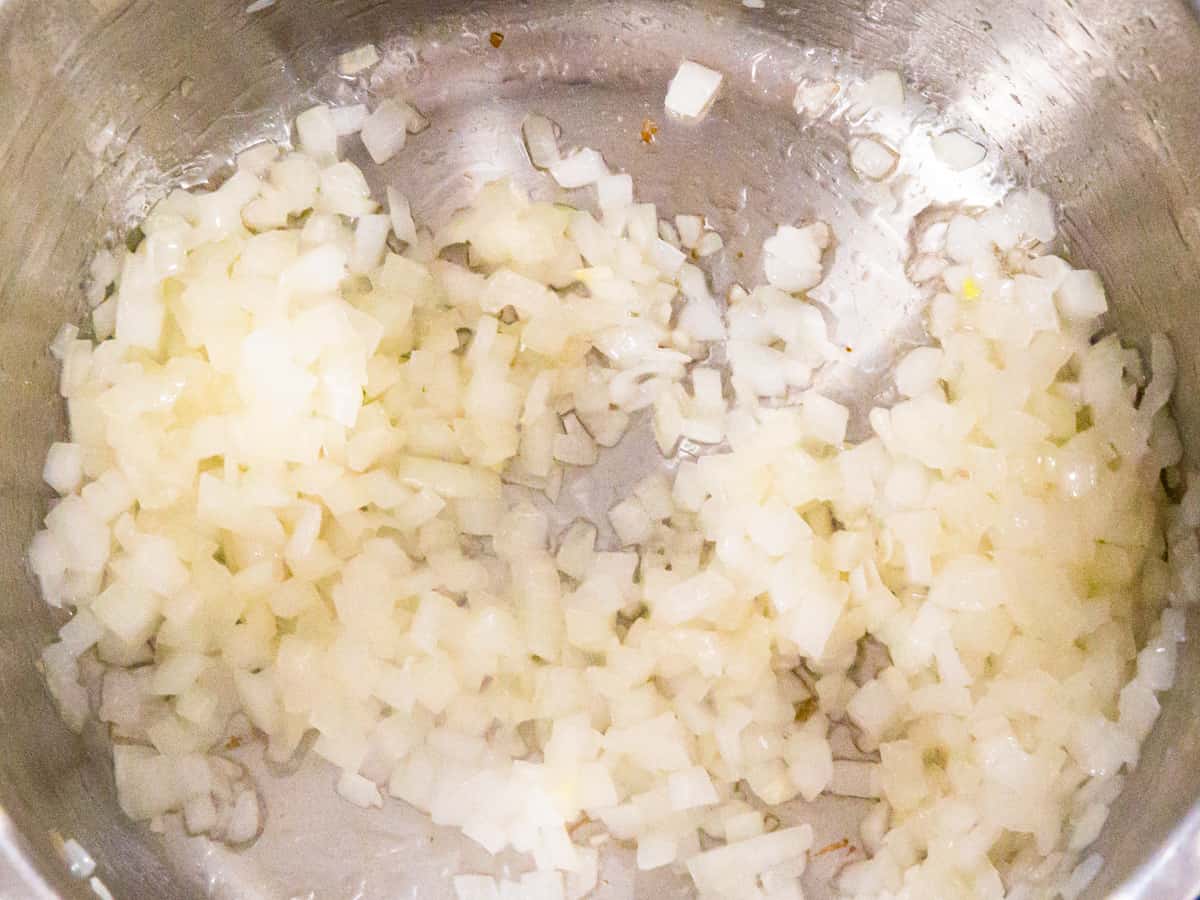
814 100
541 141
792 256
401 214
385 131
370 240
709 243
348 120
579 169
1080 296
692 90
957 151
316 132
690 228
64 467
357 60
872 159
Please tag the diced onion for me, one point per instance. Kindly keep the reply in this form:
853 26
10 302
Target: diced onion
348 120
354 61
792 257
579 169
402 220
317 132
692 90
872 159
957 150
541 141
385 130
306 492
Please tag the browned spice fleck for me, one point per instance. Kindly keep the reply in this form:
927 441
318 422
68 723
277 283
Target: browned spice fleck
649 131
496 39
836 845
233 743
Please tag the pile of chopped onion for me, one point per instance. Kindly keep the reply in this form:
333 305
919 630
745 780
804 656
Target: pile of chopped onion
299 499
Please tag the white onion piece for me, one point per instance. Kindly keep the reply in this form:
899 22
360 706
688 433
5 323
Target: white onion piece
1080 296
370 240
810 764
630 521
872 159
669 233
360 58
957 151
256 160
576 551
692 90
714 870
701 317
316 132
614 192
792 256
401 213
690 228
348 120
359 790
244 822
385 130
579 169
691 788
64 467
541 141
63 340
343 190
666 258
918 371
710 242
815 99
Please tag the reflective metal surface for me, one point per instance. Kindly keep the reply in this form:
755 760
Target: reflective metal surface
104 103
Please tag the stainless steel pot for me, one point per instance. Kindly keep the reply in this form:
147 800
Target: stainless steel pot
105 102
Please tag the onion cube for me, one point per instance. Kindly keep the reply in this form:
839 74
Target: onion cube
792 256
581 168
385 130
872 159
541 141
348 120
354 61
957 151
692 90
317 133
1080 296
63 470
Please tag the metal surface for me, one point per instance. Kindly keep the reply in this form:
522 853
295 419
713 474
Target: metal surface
104 103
